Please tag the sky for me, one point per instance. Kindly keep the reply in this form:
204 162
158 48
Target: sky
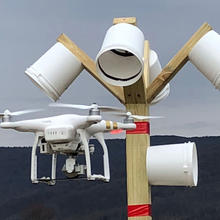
29 28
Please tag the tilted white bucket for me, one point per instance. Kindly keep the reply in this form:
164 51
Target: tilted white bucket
55 70
205 55
155 70
120 60
172 165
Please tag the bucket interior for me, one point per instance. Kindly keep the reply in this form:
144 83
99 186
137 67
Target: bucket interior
119 64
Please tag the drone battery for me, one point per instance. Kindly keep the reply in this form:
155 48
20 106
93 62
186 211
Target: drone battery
59 134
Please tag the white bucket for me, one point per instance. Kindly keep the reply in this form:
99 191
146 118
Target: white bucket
120 60
55 70
172 165
155 70
205 55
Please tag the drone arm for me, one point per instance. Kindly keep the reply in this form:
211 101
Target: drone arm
105 126
100 137
126 126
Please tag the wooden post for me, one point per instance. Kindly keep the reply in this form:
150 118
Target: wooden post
138 189
129 20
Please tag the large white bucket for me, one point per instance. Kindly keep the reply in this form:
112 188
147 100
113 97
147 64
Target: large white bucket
55 70
205 55
172 165
155 70
120 60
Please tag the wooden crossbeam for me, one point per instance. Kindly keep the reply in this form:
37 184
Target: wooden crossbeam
129 20
89 65
136 93
175 64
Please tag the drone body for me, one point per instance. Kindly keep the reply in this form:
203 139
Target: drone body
39 125
67 134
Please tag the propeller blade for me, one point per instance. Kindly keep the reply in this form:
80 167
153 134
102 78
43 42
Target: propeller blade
141 117
110 109
118 131
87 107
69 105
25 112
8 113
122 114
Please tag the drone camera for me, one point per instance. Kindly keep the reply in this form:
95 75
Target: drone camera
72 169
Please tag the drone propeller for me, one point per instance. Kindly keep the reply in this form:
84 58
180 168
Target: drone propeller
139 117
8 113
88 107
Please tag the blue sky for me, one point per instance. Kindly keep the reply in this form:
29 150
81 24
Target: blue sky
28 28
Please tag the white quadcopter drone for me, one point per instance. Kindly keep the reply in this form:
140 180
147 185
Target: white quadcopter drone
69 134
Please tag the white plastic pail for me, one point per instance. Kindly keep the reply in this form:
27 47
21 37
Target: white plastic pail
55 70
155 70
172 165
205 55
120 60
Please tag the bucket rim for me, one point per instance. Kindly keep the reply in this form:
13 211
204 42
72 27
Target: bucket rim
44 85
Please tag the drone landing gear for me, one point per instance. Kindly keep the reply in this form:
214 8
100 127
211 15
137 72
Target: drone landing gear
49 180
71 168
100 138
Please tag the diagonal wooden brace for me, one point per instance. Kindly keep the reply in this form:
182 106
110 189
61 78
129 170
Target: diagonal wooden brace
89 65
175 64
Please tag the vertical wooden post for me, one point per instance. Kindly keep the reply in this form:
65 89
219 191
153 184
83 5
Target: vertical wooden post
138 189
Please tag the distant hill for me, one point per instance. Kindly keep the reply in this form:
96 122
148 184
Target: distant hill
83 200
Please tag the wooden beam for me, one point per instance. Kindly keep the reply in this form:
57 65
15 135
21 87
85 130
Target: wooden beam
89 65
129 20
138 188
136 93
175 64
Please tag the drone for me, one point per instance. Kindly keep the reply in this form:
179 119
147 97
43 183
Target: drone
69 134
